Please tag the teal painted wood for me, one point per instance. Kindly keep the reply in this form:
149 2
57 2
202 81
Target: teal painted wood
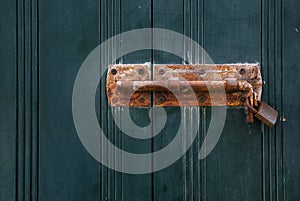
272 70
168 183
20 172
116 17
136 14
103 171
185 172
8 101
233 169
69 31
27 104
290 98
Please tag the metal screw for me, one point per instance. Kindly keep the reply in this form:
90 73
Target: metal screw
161 71
141 71
242 71
142 99
113 71
161 99
202 98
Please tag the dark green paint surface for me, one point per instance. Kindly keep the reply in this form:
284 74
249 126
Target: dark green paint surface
66 170
42 45
8 101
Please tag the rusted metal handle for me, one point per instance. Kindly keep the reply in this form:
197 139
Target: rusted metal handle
250 106
250 111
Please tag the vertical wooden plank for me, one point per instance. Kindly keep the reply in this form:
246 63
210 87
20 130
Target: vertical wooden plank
232 34
193 28
28 79
169 183
198 30
104 22
192 166
272 71
34 177
103 171
291 97
110 25
279 130
20 101
8 101
170 17
136 14
187 158
22 37
27 84
265 60
69 31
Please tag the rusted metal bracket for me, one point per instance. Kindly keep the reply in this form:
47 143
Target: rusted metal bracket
133 84
143 85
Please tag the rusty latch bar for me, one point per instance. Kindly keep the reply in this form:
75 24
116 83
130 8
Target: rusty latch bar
189 85
130 85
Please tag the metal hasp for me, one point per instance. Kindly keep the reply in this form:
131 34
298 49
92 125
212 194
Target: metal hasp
184 85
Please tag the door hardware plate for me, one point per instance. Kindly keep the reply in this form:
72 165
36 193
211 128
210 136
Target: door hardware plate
135 85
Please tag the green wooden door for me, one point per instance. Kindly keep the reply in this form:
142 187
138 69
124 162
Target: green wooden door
44 43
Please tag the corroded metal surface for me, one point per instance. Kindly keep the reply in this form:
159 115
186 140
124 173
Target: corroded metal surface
132 84
127 72
264 113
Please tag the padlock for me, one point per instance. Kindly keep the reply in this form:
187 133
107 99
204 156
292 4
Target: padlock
265 113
